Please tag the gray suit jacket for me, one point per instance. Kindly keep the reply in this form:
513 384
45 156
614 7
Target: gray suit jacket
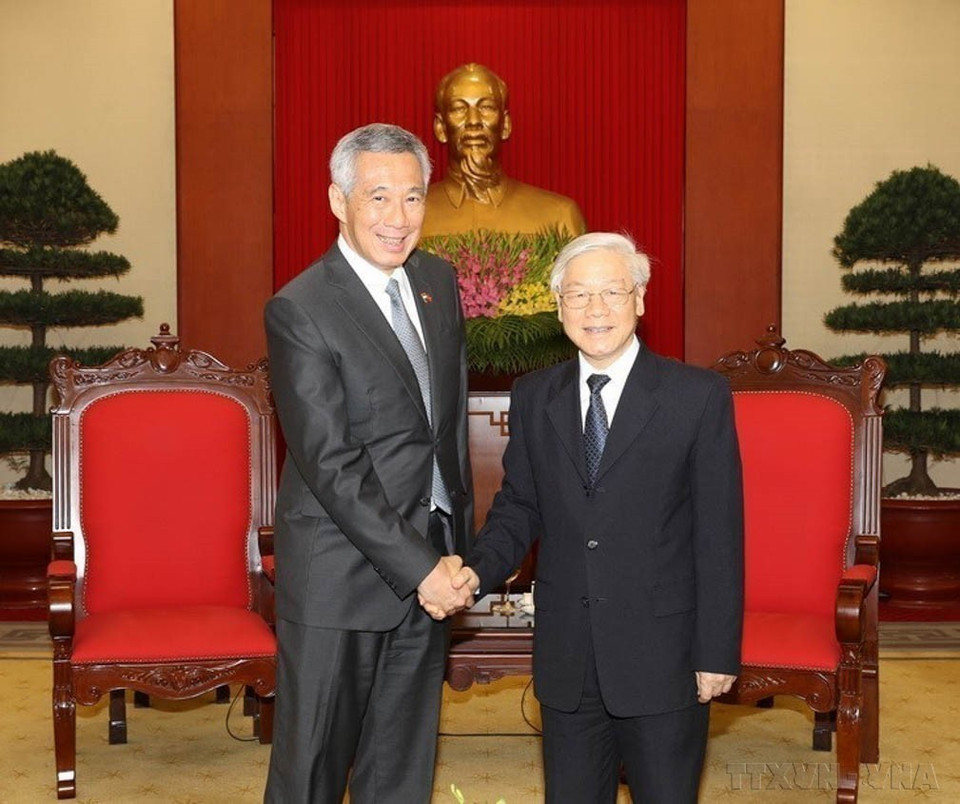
647 564
354 494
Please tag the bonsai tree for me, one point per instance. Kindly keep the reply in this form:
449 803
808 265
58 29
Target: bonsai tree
908 231
47 213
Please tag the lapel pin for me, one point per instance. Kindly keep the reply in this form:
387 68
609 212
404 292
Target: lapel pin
427 298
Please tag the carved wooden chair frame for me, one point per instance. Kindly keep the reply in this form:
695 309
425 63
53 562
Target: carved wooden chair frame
851 692
162 367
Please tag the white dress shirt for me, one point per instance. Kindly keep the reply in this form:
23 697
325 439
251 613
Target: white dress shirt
617 371
375 281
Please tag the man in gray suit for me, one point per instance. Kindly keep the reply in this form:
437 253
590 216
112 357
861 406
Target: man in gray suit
367 366
626 465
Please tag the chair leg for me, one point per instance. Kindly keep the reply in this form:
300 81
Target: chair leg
848 746
870 728
64 730
223 694
249 702
118 717
824 725
141 700
265 720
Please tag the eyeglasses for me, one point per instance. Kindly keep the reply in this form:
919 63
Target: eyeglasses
611 297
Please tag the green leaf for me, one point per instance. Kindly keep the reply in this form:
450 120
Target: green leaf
936 431
25 364
21 432
910 218
895 280
75 308
45 200
61 263
927 317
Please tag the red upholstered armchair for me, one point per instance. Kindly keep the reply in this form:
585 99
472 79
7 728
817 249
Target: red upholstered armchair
810 439
163 467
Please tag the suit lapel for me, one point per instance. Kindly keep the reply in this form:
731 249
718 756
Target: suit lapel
637 404
354 299
563 411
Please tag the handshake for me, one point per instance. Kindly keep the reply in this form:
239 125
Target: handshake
448 588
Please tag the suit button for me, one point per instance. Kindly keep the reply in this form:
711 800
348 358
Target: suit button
593 544
424 501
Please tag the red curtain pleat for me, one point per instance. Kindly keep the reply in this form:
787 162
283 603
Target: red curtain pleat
596 94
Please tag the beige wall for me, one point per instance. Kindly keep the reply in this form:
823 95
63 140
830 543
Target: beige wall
94 80
871 86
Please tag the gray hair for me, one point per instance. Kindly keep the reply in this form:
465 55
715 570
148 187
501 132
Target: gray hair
636 261
377 138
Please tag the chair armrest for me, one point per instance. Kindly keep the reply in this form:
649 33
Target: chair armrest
265 540
269 569
867 550
855 585
62 548
61 591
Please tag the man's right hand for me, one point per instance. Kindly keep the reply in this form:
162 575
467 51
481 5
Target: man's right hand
437 593
467 579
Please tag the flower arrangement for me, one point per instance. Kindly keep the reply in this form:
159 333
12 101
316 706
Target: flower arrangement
511 325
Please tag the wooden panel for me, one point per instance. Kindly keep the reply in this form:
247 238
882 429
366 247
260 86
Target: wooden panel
488 415
224 174
734 174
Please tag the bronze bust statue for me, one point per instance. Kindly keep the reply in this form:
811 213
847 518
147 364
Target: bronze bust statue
472 119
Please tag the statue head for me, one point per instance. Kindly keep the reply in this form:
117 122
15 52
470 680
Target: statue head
472 119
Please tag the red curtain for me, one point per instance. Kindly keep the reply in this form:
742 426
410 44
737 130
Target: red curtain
596 96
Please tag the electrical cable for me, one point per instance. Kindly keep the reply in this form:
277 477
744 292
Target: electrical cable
226 721
523 698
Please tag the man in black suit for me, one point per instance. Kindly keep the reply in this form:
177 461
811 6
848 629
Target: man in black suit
367 366
626 465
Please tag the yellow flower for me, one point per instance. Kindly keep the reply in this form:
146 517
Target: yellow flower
527 298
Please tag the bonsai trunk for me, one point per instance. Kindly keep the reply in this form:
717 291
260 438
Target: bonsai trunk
37 476
918 482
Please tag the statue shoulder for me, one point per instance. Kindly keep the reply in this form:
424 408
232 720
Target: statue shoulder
552 207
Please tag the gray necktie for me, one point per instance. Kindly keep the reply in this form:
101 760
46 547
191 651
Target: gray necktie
412 345
595 427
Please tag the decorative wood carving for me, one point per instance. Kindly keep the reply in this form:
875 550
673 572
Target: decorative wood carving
488 420
816 688
172 681
482 655
163 363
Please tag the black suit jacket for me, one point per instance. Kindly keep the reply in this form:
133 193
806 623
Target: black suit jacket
648 562
354 494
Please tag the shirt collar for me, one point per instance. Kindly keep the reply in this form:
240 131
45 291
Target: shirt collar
457 193
372 277
617 371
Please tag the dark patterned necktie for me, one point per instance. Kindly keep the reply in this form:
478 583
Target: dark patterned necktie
413 346
595 427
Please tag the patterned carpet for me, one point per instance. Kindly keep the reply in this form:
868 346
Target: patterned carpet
184 752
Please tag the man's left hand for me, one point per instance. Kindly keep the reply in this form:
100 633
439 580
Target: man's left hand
710 685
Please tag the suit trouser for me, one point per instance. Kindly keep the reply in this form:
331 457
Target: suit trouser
370 699
582 751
